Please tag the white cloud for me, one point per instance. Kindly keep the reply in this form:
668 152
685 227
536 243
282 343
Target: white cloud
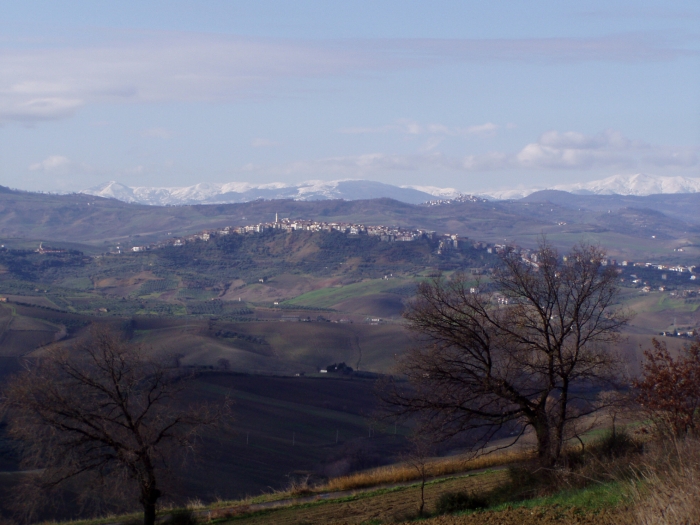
431 144
488 128
51 163
406 126
553 151
43 83
15 107
574 150
491 161
410 127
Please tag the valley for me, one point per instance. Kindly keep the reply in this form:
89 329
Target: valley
265 316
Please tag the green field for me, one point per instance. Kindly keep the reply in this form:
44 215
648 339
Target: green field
328 297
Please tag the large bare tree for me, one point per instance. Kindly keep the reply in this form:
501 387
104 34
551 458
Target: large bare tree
526 350
103 410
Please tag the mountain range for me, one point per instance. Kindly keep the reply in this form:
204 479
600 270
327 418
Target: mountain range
236 192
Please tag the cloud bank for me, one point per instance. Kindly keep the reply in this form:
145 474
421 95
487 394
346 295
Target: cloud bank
51 163
410 127
552 151
55 81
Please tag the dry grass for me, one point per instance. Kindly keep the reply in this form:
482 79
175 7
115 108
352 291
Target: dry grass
667 488
382 506
401 472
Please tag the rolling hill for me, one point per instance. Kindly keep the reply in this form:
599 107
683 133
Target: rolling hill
564 217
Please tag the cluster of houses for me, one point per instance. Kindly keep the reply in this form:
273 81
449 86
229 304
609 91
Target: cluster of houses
41 249
656 266
459 198
675 333
446 242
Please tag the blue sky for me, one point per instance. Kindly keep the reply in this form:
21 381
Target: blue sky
464 94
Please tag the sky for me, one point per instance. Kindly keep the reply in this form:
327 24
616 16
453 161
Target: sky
464 94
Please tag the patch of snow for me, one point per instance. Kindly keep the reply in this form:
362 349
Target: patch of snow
638 184
352 189
444 193
232 192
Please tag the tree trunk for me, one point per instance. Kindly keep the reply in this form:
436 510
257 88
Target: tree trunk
546 448
149 498
422 496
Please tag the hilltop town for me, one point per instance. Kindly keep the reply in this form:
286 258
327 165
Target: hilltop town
383 233
445 241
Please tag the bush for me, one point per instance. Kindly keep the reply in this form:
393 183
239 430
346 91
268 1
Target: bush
526 481
614 444
451 502
182 517
669 390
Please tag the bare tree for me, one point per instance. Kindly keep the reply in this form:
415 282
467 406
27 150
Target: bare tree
418 457
528 351
223 364
103 411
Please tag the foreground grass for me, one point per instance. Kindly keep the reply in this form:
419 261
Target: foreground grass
400 504
453 474
401 473
385 505
596 497
391 505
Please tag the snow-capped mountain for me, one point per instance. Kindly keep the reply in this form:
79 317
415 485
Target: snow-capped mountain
443 193
217 193
639 184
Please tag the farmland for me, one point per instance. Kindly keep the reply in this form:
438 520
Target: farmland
256 317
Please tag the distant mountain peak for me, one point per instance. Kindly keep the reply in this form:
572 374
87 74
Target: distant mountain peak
638 184
232 192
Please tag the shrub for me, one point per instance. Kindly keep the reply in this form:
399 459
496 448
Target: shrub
670 389
614 444
451 502
300 486
182 517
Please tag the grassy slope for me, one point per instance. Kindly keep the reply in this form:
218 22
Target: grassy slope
329 297
292 346
283 428
391 505
21 334
382 506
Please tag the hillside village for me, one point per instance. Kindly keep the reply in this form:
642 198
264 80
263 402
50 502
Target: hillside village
454 200
383 233
445 242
